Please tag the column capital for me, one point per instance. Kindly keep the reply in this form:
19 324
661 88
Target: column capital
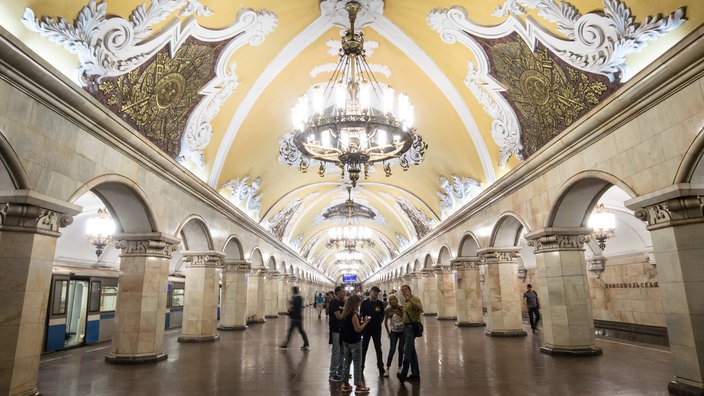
209 259
673 212
29 211
499 254
465 262
440 268
552 239
146 244
241 266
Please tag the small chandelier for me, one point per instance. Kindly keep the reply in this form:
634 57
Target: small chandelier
349 236
603 225
99 230
354 121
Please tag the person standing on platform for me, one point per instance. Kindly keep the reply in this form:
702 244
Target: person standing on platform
295 313
335 325
533 306
412 308
394 314
352 327
319 303
373 308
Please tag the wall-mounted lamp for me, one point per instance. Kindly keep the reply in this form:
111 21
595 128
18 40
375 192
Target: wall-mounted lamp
603 225
99 230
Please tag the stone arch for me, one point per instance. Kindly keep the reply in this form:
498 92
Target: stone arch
233 248
444 256
417 266
271 264
508 230
195 235
256 258
691 169
428 261
125 201
12 173
468 246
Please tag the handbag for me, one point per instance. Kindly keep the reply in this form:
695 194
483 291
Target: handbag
418 329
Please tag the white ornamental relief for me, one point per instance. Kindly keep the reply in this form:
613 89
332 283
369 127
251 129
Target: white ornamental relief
244 195
597 42
457 193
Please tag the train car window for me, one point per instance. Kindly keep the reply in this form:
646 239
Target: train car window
58 306
108 299
94 299
177 297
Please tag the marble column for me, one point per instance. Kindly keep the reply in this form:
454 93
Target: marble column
272 295
676 225
256 294
429 292
282 304
200 307
141 298
446 298
233 305
29 227
563 290
469 292
503 302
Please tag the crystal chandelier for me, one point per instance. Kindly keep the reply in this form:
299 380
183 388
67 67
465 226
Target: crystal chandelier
354 121
349 236
99 230
603 225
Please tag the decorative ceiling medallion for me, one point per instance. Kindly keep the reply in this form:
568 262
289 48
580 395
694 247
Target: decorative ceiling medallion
597 42
158 97
546 95
113 46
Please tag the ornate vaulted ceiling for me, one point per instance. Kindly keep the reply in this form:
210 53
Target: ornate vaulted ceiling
211 83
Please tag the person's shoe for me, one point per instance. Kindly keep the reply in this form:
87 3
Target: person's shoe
284 346
335 378
361 389
412 377
305 347
401 377
533 331
346 387
386 372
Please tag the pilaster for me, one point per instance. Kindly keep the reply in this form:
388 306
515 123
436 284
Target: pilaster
29 227
503 304
233 305
563 291
468 292
429 291
446 298
282 305
141 297
676 225
272 295
200 308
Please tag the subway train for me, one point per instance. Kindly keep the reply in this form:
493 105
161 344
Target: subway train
82 304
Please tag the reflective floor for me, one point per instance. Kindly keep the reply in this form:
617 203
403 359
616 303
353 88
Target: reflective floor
453 361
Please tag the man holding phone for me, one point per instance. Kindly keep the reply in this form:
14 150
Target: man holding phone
372 310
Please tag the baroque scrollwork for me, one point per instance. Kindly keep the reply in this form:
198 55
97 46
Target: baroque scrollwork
457 193
682 210
422 224
146 248
278 223
553 242
244 195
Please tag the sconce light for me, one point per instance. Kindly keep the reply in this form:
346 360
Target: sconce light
99 230
603 224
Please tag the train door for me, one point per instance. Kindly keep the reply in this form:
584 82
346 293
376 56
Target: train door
76 312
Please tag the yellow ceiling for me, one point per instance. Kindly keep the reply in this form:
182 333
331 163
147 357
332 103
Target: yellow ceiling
253 151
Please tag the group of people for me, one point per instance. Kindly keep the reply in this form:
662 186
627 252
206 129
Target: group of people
354 323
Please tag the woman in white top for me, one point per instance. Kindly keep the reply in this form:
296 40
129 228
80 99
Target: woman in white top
393 314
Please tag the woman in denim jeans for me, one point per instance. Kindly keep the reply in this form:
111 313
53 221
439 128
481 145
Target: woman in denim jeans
394 314
352 326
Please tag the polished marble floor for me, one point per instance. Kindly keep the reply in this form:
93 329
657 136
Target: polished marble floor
453 361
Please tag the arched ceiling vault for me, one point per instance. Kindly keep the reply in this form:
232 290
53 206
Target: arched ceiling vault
212 84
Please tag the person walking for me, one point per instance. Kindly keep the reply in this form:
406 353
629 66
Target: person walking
352 327
295 314
533 305
394 314
335 326
319 303
374 309
412 308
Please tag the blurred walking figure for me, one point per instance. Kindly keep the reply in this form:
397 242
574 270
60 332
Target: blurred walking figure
295 314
